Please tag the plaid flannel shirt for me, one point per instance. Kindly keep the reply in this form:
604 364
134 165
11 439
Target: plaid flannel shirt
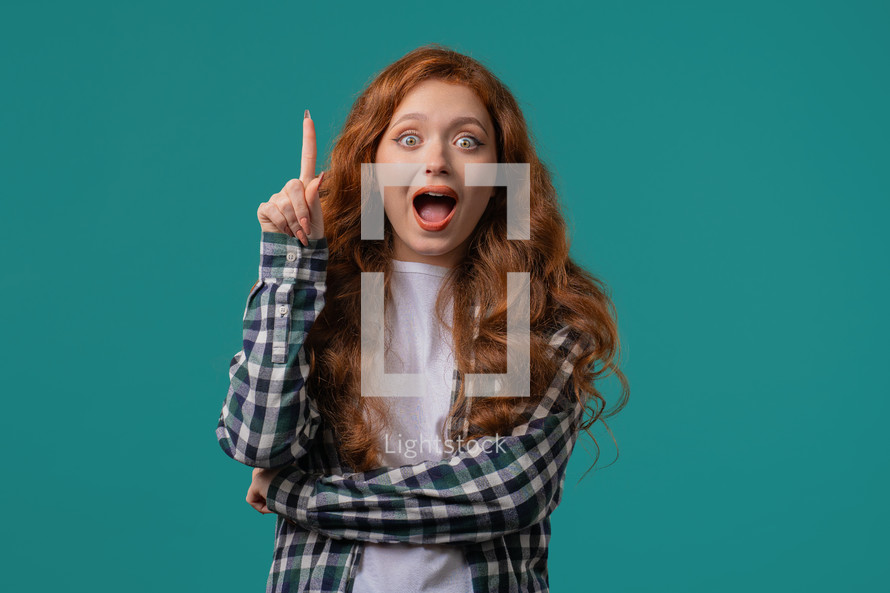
494 501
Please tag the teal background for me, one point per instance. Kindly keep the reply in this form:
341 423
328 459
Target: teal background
725 168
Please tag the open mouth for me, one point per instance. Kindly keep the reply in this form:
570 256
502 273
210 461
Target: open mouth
434 210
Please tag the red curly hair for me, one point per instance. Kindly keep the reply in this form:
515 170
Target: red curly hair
561 292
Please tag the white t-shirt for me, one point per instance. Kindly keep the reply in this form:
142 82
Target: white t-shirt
419 344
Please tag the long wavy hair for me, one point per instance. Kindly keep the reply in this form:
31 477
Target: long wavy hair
561 292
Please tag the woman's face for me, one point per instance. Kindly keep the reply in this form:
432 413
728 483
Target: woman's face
441 126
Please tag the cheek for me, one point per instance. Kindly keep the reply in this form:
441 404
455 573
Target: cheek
392 196
395 209
478 202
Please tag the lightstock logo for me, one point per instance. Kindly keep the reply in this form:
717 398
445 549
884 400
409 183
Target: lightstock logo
516 382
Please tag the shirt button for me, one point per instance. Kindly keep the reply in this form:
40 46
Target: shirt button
291 256
282 310
454 461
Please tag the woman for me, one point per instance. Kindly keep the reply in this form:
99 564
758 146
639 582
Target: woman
358 509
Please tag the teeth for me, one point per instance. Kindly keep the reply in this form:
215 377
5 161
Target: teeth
435 194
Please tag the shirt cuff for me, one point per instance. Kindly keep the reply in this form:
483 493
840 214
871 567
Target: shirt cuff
283 257
289 494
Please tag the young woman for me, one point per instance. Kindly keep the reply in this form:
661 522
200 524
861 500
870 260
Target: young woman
359 507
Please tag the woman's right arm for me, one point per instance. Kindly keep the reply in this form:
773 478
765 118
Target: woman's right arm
268 418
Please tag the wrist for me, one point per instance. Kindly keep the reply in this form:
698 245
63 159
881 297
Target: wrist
286 258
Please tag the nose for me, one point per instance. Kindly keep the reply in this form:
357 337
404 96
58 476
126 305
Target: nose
436 158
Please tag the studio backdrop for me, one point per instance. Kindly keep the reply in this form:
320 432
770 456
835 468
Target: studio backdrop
724 170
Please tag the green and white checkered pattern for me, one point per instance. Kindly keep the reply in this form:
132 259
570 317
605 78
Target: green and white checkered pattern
494 502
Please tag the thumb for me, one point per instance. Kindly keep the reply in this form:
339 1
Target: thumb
313 201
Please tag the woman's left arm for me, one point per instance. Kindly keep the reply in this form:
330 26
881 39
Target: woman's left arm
505 485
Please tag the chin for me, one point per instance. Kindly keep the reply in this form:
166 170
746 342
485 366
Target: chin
433 247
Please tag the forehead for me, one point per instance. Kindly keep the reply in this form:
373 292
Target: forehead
439 98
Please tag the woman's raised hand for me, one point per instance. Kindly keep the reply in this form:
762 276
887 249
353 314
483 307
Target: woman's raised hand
296 209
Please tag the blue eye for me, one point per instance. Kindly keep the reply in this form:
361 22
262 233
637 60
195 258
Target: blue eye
474 140
416 139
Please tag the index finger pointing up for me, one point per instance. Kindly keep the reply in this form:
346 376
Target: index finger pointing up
307 159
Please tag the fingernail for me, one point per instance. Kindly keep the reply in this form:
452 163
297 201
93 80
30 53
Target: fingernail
306 114
321 178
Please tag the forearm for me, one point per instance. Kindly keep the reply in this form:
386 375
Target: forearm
476 495
268 419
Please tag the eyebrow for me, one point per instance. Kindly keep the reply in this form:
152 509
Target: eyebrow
468 119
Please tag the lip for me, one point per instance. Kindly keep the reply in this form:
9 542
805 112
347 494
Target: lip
438 189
